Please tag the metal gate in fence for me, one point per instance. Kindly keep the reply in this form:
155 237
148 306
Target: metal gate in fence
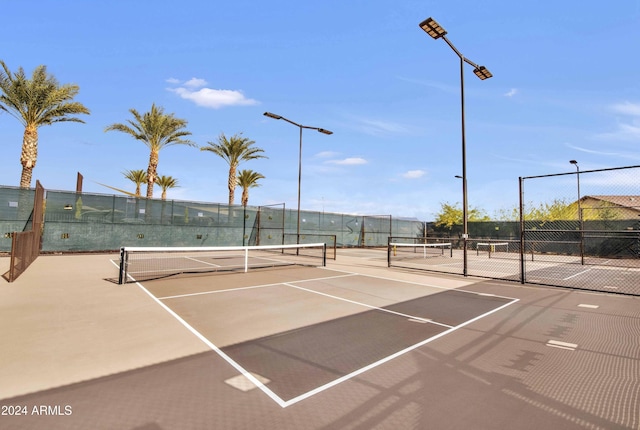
26 245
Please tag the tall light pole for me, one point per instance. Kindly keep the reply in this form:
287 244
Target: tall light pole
435 30
300 126
575 163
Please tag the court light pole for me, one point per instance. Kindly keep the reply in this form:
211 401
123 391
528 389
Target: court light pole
575 163
435 30
300 126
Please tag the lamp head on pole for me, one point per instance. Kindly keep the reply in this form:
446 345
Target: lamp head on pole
482 72
272 115
432 28
322 130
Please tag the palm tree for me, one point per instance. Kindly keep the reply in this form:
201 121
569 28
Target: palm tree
234 150
248 179
166 182
138 177
157 130
35 102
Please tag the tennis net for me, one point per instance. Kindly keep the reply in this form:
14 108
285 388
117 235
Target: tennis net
416 252
146 263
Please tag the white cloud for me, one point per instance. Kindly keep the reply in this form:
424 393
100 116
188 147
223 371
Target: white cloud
627 108
208 97
414 174
326 154
591 151
352 161
624 132
375 127
512 92
195 83
628 129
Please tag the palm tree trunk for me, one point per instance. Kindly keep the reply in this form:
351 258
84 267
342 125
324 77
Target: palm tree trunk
151 172
232 183
29 155
245 196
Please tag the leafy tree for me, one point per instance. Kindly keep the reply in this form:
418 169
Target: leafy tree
451 215
35 102
234 150
166 182
556 210
138 177
507 214
157 130
248 179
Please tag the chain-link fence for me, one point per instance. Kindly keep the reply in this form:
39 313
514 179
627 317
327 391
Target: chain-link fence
582 230
579 230
88 222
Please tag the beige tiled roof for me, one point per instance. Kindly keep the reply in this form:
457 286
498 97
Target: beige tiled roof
626 201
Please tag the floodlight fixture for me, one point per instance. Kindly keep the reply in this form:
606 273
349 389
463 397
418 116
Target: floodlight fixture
432 28
272 115
482 73
300 126
435 30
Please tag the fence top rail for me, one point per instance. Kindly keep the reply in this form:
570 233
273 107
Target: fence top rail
582 171
544 230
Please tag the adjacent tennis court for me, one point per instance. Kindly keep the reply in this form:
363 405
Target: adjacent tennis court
501 260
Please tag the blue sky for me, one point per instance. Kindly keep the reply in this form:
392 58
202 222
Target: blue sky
566 85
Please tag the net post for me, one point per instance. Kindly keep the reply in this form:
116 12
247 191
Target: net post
122 271
324 254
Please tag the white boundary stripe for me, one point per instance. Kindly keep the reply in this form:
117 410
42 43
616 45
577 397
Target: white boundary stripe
584 305
250 287
389 358
577 274
562 345
206 263
282 403
228 359
422 284
370 306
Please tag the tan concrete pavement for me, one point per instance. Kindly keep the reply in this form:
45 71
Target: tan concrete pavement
63 323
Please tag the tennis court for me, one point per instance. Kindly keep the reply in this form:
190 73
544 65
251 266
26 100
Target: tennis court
352 344
307 330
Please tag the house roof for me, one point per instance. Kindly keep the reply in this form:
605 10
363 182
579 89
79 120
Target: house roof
632 202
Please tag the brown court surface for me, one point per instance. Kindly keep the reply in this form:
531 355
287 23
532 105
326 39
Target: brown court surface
79 352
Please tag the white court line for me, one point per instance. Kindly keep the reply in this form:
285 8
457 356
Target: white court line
282 403
250 287
577 274
203 262
422 284
368 306
389 358
228 359
562 345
